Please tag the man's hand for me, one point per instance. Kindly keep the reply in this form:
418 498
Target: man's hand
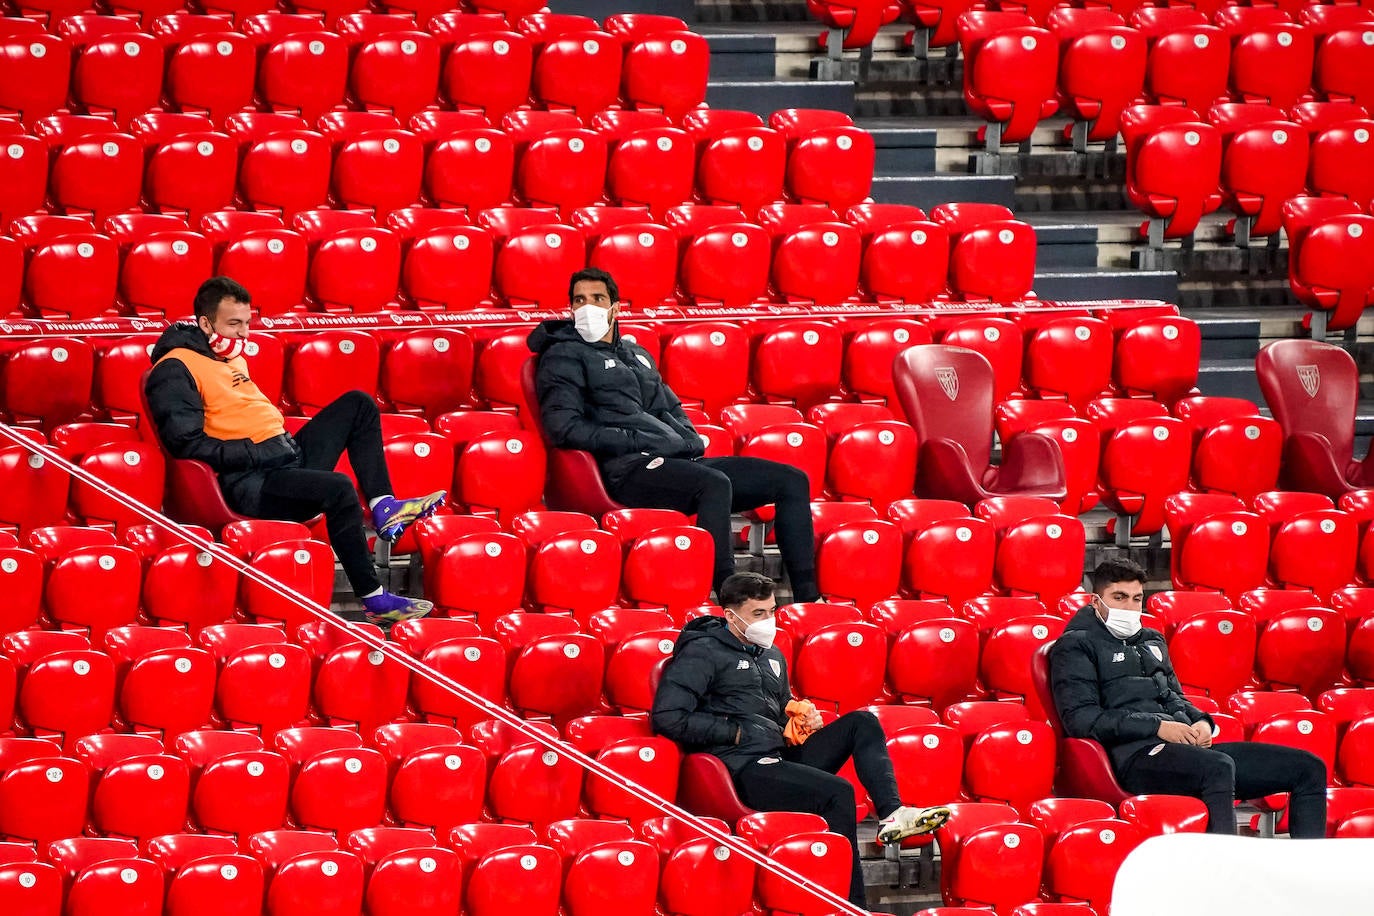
812 720
1177 732
1202 730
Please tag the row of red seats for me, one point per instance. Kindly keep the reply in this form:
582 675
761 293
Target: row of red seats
1016 73
710 364
1253 158
280 163
53 11
388 62
437 260
1328 259
1282 539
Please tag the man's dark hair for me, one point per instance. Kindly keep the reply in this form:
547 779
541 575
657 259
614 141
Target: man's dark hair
745 586
215 290
1123 570
596 275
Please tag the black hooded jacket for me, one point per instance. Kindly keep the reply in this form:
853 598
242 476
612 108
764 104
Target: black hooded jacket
178 413
607 398
1116 691
716 687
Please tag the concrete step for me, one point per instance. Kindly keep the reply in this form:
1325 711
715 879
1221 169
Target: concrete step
764 97
927 191
1105 283
1065 246
1227 338
600 9
903 150
1232 378
742 56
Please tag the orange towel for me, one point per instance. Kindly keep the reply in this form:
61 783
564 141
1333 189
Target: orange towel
796 732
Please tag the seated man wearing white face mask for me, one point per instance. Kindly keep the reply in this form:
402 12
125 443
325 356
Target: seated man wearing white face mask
725 692
601 393
1113 682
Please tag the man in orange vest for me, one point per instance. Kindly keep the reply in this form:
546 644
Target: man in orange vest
205 406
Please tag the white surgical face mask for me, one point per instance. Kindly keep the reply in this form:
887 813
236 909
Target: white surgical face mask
759 632
592 322
226 347
1121 622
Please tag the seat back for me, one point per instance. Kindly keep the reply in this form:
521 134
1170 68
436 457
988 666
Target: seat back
1083 769
946 393
573 480
1311 387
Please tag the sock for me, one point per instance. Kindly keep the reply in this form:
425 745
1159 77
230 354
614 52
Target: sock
372 503
372 594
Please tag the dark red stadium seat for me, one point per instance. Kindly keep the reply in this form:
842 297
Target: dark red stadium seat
954 458
1311 388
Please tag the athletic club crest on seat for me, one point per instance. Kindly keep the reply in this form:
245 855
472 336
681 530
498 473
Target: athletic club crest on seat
1311 379
949 381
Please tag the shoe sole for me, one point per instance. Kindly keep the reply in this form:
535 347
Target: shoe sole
399 616
401 521
931 819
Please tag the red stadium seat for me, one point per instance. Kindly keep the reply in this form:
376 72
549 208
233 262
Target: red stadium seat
98 175
1173 169
35 71
578 71
134 468
501 473
1005 662
534 785
643 258
533 265
306 869
161 274
799 842
380 171
1143 463
356 270
707 365
47 381
117 73
1263 163
798 363
472 168
1189 59
666 71
727 264
306 72
1326 270
489 72
743 167
855 23
1271 64
1301 649
653 167
818 264
995 261
106 880
1000 341
954 459
238 787
1214 652
988 858
1084 860
1101 69
263 686
328 364
73 275
564 169
831 165
212 73
480 574
287 171
44 799
480 665
1009 73
1158 358
1341 69
396 72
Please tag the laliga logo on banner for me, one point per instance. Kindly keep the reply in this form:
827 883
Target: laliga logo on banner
1311 379
949 381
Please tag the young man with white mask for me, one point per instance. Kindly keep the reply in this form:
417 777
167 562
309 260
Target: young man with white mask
725 692
603 394
1113 682
205 406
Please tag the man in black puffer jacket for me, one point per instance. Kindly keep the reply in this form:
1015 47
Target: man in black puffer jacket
725 693
601 393
1113 682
